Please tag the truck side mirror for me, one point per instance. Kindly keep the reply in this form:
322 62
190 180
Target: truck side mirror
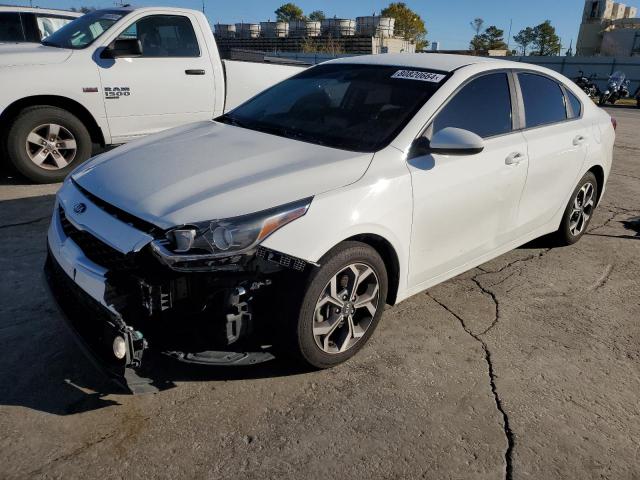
123 48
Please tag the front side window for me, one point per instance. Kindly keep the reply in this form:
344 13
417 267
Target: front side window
483 106
84 30
164 36
352 107
11 29
543 99
50 25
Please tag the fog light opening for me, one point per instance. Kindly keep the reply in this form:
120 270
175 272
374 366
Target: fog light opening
119 347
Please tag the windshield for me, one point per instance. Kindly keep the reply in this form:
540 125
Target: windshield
617 76
351 107
83 31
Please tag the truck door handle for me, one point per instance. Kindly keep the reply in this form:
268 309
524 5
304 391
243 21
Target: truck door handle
514 158
579 140
195 72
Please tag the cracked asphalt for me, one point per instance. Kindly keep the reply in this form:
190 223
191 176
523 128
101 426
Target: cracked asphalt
525 367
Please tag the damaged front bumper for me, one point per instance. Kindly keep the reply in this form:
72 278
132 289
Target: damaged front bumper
129 311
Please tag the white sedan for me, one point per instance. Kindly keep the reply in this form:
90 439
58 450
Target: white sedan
288 223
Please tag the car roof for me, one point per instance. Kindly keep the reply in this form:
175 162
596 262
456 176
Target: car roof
47 11
434 61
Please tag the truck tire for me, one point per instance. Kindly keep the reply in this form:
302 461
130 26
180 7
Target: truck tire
45 143
341 306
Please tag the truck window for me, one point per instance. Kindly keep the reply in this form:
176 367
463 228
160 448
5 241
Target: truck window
11 29
164 36
49 25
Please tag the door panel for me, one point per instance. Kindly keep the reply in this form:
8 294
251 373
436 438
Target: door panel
158 90
557 147
464 206
554 165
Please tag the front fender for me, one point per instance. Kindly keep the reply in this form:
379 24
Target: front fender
380 203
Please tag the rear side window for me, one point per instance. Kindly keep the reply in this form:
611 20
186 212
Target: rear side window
11 29
164 36
576 106
483 106
543 100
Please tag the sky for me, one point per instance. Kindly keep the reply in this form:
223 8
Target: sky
447 21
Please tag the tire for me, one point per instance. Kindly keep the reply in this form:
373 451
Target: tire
603 100
305 326
70 147
570 231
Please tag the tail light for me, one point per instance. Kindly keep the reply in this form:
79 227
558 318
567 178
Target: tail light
614 122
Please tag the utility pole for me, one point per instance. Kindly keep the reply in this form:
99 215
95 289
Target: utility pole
509 37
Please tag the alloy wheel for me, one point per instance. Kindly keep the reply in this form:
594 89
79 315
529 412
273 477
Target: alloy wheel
346 308
51 146
583 205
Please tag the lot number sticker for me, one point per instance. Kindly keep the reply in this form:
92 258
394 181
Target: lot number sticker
417 75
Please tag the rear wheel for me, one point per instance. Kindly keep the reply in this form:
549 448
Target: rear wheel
341 306
45 143
579 211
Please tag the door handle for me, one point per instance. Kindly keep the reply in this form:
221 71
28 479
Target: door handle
579 140
514 158
194 72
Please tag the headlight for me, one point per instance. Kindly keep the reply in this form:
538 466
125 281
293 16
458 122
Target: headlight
219 239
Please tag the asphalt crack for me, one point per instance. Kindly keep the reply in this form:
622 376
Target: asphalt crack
508 454
21 224
604 278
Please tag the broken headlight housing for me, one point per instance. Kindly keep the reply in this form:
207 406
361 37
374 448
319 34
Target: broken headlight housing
203 245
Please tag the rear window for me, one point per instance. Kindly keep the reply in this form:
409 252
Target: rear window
11 29
543 98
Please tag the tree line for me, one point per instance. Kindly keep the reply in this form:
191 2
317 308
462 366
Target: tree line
542 39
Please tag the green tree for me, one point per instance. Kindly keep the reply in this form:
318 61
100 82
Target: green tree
524 38
477 42
547 42
83 9
408 23
289 12
317 15
494 38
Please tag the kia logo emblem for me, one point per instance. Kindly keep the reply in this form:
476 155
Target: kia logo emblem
79 208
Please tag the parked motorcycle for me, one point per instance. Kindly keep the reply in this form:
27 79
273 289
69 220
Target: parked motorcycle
587 84
617 88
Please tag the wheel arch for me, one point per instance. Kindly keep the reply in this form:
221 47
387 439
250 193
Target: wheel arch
598 171
65 103
389 257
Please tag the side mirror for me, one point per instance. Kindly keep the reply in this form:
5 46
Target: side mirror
456 141
123 48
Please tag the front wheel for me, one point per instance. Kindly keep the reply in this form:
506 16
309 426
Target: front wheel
341 305
45 143
579 211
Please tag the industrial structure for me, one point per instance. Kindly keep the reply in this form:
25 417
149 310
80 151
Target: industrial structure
608 28
364 35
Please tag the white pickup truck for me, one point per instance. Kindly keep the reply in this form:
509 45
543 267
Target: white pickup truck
112 76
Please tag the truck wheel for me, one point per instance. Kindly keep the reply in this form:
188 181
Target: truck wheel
46 143
341 306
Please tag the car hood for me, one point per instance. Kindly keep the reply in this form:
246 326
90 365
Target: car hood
14 54
209 170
